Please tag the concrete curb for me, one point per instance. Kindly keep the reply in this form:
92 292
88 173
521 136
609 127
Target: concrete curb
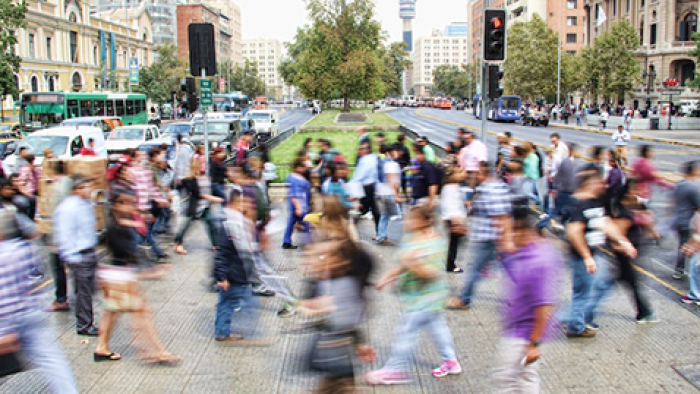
648 139
348 128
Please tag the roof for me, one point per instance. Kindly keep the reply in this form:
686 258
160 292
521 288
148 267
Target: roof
70 131
137 126
90 118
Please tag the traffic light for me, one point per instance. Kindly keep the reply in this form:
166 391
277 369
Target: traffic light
494 35
494 80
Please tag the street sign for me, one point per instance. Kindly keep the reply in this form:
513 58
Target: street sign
671 92
205 93
134 71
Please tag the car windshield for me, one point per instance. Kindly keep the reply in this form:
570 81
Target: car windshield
212 128
5 127
126 134
36 144
177 129
260 117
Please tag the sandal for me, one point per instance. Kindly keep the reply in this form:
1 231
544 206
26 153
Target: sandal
106 357
166 359
456 303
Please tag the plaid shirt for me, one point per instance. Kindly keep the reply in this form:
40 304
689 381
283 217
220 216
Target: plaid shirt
492 198
144 187
17 256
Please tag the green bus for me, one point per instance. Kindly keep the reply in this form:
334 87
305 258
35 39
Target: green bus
48 109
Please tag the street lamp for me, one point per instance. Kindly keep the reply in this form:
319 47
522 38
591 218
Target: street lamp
649 76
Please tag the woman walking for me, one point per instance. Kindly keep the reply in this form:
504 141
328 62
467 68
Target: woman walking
452 206
198 187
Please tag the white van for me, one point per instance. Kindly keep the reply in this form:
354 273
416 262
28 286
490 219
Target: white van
267 123
64 141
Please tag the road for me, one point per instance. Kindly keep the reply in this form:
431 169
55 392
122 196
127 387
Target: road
440 127
293 117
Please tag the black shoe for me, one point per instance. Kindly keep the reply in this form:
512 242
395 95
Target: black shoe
90 332
289 246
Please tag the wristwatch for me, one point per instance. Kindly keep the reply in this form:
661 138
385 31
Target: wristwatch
535 343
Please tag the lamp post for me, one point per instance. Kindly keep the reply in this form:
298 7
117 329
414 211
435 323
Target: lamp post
649 76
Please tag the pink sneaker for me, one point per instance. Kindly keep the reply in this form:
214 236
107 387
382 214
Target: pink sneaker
448 368
386 377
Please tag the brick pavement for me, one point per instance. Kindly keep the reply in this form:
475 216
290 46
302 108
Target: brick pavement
624 358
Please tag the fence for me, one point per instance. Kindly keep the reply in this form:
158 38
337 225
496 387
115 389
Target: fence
412 135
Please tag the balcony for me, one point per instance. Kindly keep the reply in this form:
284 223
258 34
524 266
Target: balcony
684 44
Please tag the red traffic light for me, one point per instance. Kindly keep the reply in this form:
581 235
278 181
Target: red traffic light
496 22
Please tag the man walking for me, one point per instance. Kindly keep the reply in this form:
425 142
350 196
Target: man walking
489 232
388 192
564 181
471 156
217 171
621 138
367 174
426 180
76 239
146 194
687 201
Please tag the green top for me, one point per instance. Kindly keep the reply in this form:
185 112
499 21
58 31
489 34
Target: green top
430 154
424 294
531 166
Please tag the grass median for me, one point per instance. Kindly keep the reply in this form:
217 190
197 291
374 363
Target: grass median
327 119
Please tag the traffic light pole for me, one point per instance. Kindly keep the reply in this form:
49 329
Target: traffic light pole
206 132
484 99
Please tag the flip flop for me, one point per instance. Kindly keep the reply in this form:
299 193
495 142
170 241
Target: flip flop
165 360
106 357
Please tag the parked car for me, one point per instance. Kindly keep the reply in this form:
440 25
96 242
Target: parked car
8 146
105 123
174 129
222 133
64 141
129 137
534 118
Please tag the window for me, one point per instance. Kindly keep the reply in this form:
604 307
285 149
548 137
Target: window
689 25
109 108
30 43
652 34
427 67
100 108
571 4
571 38
641 33
629 6
48 48
642 3
120 111
74 47
571 21
130 109
86 108
35 84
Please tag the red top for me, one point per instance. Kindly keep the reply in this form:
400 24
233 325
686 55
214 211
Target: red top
644 173
85 151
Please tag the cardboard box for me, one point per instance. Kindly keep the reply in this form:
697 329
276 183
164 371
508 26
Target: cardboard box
89 166
49 168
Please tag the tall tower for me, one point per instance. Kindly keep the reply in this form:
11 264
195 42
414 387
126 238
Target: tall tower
407 12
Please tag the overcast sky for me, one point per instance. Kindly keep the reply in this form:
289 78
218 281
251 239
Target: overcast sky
279 19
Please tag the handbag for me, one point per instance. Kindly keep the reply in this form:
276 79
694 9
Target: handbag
9 355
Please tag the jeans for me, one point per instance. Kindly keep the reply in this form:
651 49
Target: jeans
292 220
388 208
562 203
510 376
369 203
531 192
237 296
59 278
694 280
150 239
163 220
187 221
39 345
481 254
588 291
217 190
683 237
84 279
407 338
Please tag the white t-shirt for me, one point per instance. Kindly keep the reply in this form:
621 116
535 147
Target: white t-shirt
452 202
390 167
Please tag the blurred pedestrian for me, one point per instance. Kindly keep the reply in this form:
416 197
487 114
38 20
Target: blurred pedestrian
60 188
143 181
121 291
217 172
425 178
532 172
621 138
422 289
88 150
404 161
76 239
454 213
388 192
533 270
645 174
367 174
472 154
297 201
687 202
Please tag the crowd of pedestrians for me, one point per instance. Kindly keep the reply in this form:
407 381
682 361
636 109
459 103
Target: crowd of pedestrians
507 204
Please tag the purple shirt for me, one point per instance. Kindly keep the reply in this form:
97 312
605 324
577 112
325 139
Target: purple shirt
534 279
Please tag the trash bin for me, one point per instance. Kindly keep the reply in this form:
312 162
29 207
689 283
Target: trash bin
654 123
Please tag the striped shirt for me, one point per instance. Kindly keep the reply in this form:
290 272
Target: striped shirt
144 187
491 199
17 257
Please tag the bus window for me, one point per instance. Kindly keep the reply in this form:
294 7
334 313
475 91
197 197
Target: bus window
141 107
100 108
73 110
130 107
86 108
120 110
109 108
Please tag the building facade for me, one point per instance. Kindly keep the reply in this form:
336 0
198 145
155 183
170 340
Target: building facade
232 23
665 29
433 51
65 48
163 14
268 55
201 13
568 19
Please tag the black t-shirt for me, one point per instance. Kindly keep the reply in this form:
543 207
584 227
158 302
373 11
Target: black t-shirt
121 241
217 171
635 232
405 159
589 212
426 177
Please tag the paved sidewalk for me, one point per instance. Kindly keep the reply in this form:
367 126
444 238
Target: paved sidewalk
689 138
624 358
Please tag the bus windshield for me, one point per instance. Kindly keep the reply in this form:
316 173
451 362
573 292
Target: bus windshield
510 103
37 144
40 116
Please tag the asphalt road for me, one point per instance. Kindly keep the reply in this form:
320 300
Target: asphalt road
668 158
293 117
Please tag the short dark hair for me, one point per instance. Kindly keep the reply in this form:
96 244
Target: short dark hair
324 141
29 158
508 134
380 135
401 138
179 138
645 151
299 162
689 167
418 148
154 152
555 135
91 140
236 193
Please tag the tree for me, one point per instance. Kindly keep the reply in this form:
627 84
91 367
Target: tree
696 54
339 55
453 81
164 76
12 17
530 70
394 60
610 66
245 79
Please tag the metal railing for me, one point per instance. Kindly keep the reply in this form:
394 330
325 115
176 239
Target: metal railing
411 134
280 138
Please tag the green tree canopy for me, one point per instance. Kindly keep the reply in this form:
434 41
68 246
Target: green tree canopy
454 81
164 76
12 17
394 60
245 78
696 54
530 70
